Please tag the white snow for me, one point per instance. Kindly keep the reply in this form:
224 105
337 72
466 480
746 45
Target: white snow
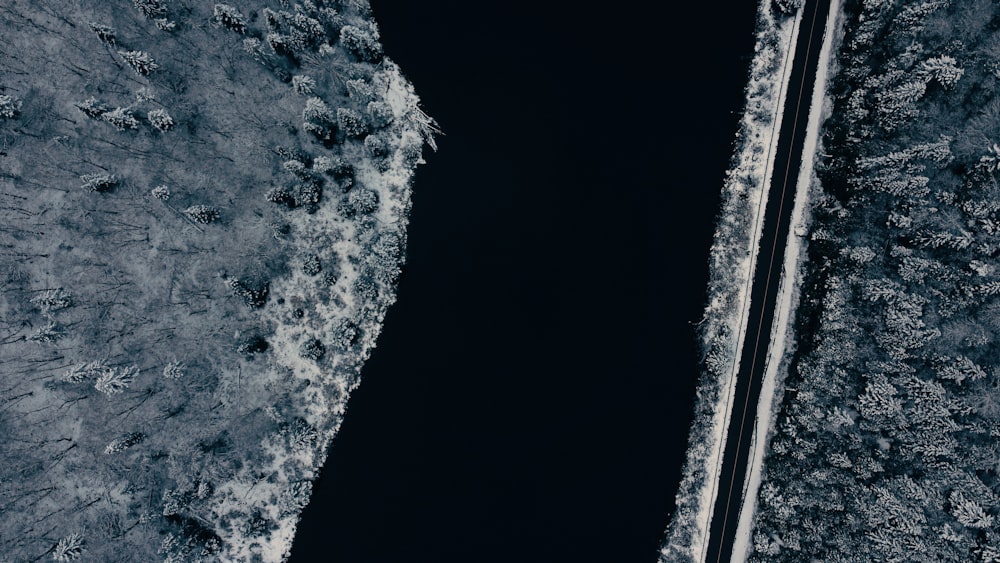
782 330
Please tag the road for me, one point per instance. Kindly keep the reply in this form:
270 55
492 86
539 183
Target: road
764 291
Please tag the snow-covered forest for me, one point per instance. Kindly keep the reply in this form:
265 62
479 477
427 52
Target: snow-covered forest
202 220
885 447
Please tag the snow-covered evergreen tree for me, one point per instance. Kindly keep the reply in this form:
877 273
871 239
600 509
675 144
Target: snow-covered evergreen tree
203 214
311 265
121 118
48 333
101 182
230 18
70 548
160 119
52 300
362 43
92 107
83 372
363 200
174 370
140 61
160 192
123 443
304 84
352 123
151 8
115 380
312 349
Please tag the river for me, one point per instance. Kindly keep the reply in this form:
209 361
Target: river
531 392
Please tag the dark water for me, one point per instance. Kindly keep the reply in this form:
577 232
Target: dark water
530 396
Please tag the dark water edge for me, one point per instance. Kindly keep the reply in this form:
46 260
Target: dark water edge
531 393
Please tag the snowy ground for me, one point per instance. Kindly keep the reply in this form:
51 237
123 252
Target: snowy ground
782 337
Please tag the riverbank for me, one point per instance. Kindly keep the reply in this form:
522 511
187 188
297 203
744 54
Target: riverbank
733 260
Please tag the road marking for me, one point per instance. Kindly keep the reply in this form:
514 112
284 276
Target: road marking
767 282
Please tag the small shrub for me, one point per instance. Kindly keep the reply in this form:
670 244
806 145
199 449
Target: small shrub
322 133
255 48
99 183
297 168
345 209
251 345
104 32
48 333
160 120
151 8
176 500
92 108
121 118
203 214
341 169
125 442
230 18
256 526
280 230
9 107
323 164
